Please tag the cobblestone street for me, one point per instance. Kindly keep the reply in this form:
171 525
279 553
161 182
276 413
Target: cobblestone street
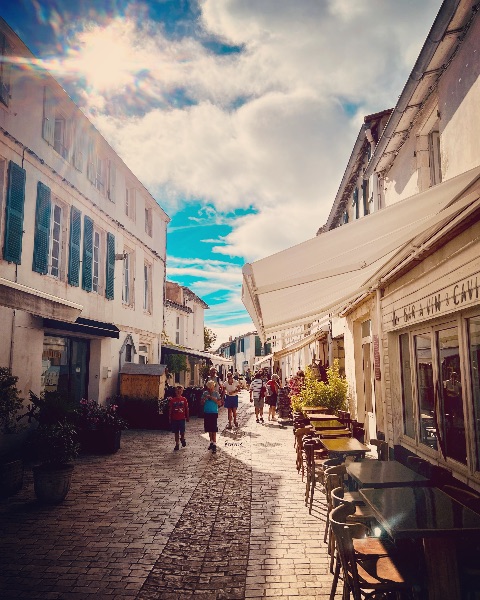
149 523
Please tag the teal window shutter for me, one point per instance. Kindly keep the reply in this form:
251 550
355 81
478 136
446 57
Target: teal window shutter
12 249
42 229
74 251
110 274
87 254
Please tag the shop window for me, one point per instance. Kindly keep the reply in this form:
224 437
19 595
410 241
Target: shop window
474 347
425 390
407 392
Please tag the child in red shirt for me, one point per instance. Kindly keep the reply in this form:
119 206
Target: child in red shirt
178 414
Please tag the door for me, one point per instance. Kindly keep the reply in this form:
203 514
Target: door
368 388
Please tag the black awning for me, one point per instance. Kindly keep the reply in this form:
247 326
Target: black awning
85 326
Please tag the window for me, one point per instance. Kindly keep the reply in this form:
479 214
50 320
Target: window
96 261
355 203
128 353
54 255
91 161
144 354
434 158
345 216
100 176
426 404
474 367
407 395
130 203
177 333
60 143
5 52
111 180
148 221
127 286
365 197
147 287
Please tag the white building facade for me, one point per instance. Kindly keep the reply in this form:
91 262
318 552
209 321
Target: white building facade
82 242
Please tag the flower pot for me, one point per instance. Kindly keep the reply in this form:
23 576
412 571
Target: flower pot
11 478
52 482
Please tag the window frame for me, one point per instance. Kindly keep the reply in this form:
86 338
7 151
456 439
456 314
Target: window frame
147 287
128 278
57 203
148 220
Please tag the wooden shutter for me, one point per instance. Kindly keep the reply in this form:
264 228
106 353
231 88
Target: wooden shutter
12 250
110 267
74 251
42 229
87 254
48 131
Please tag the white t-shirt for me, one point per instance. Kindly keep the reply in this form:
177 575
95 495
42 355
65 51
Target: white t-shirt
231 389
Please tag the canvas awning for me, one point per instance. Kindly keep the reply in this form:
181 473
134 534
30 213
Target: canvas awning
215 358
262 361
298 345
323 274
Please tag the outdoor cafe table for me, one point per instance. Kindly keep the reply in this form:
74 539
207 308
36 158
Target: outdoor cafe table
341 447
381 473
320 416
333 433
330 424
430 514
314 409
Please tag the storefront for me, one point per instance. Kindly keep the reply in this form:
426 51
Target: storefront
431 318
65 366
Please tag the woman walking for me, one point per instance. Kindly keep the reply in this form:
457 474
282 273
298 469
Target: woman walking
232 388
272 386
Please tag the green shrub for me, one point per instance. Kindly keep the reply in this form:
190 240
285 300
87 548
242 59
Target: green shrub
332 395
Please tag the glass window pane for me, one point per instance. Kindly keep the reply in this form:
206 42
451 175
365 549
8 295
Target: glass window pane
451 397
424 367
474 343
407 395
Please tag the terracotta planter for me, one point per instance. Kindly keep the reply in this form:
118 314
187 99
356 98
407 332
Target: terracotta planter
11 478
52 482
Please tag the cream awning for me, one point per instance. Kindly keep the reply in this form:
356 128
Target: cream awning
262 360
309 339
323 274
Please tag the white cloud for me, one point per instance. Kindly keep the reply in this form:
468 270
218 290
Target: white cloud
271 127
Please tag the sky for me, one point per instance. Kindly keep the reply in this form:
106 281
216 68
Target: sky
239 116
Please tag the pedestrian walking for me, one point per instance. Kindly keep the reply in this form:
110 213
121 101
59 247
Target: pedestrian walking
271 396
257 392
248 377
178 414
211 401
232 388
215 377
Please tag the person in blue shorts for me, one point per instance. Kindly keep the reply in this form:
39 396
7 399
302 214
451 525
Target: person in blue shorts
211 400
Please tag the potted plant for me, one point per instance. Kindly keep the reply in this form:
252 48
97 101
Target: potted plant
332 394
11 463
100 427
54 445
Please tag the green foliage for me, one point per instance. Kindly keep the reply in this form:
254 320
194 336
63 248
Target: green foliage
205 371
10 401
332 395
55 443
176 363
209 338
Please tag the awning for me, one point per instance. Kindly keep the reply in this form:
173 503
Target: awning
84 326
263 360
215 358
309 339
321 275
21 297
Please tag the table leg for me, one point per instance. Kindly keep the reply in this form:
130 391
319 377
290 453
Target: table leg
442 568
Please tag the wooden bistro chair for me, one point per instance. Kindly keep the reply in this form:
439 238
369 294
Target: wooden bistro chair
375 567
382 448
300 434
314 454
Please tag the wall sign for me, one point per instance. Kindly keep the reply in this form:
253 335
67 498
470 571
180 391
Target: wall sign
454 296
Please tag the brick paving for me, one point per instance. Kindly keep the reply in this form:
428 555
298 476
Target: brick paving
148 523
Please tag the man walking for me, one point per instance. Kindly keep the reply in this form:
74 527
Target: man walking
257 392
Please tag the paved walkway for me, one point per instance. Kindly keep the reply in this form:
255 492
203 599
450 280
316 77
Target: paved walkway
152 524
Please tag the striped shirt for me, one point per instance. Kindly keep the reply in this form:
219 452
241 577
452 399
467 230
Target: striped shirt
255 387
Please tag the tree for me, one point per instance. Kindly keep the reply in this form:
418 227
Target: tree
209 338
